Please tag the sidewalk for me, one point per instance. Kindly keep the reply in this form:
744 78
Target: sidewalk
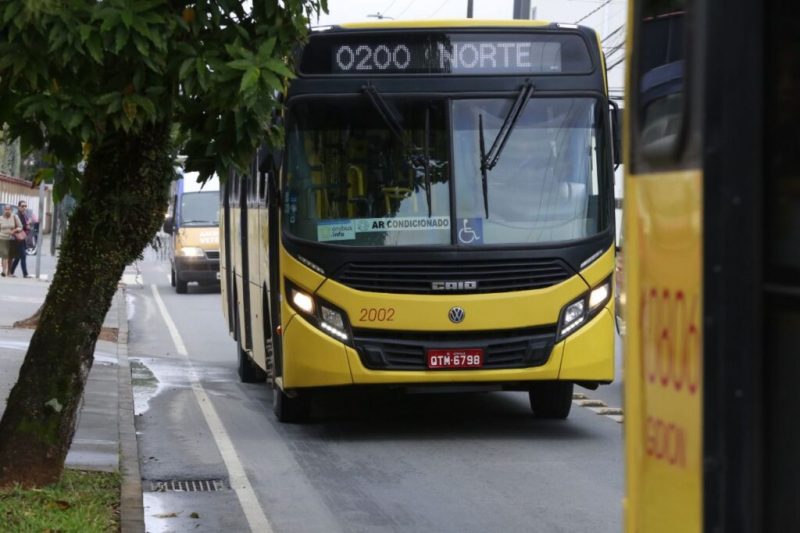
96 442
105 438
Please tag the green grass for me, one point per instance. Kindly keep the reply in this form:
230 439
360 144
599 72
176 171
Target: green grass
81 502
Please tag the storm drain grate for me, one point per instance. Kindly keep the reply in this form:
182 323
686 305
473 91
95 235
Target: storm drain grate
189 485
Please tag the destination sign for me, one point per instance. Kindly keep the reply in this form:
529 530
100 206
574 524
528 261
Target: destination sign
456 54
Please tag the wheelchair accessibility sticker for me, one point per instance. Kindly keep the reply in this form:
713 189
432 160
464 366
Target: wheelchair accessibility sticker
470 231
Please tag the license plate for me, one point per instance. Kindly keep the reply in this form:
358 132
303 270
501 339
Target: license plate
456 358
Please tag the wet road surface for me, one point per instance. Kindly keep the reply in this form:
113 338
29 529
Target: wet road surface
369 461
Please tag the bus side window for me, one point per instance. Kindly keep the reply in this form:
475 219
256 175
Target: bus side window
660 110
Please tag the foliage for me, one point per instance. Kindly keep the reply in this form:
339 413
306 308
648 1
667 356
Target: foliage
73 72
79 502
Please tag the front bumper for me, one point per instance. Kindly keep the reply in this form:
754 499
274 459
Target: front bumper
313 359
199 269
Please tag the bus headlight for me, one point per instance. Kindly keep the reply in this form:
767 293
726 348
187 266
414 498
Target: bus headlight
318 312
580 311
599 296
304 302
191 251
332 318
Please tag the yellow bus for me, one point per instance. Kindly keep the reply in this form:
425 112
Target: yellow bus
441 215
712 262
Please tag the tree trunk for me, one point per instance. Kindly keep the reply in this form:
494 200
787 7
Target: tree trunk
124 193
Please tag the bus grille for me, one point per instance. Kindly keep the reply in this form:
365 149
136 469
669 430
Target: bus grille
417 277
397 350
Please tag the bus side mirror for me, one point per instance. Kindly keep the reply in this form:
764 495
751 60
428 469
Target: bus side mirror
169 225
616 132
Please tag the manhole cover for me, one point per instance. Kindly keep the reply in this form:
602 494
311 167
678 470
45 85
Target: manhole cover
189 485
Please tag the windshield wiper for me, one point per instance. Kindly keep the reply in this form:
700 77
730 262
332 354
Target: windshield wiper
426 154
394 123
388 114
489 159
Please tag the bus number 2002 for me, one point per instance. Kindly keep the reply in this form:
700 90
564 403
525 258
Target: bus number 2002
376 314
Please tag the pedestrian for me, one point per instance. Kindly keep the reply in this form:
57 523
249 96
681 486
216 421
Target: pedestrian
9 225
20 257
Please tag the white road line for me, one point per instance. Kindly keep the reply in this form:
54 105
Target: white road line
239 483
598 406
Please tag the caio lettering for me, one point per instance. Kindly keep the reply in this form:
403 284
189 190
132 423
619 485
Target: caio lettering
454 285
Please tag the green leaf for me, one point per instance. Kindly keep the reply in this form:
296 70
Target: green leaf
44 175
109 21
241 64
186 49
145 103
74 120
279 67
234 49
108 97
95 46
143 29
265 50
121 39
11 11
84 30
202 73
272 80
143 47
114 106
186 66
249 80
129 108
127 18
86 131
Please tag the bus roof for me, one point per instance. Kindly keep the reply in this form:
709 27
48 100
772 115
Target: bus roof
452 23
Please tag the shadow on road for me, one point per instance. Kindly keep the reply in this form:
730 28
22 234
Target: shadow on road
361 415
194 288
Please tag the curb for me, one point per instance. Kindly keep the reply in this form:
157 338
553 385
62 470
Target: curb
131 504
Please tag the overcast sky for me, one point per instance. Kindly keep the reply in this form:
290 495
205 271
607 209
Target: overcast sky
604 16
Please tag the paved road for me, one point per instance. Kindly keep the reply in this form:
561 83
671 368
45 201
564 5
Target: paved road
372 462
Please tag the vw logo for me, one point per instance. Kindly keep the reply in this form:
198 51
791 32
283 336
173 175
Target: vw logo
456 315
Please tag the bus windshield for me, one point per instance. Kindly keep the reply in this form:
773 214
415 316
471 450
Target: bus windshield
546 184
359 175
199 209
